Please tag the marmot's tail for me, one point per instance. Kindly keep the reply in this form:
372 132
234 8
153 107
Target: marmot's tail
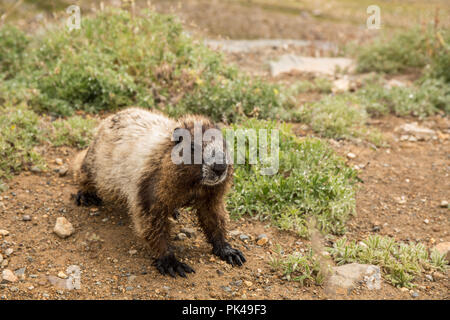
75 166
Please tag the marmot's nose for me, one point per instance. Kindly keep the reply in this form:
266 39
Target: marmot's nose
219 168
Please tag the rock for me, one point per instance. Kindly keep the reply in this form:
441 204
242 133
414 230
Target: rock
394 83
20 273
62 171
289 62
181 236
351 155
1 258
348 276
63 228
426 221
341 85
4 233
444 204
132 252
421 133
59 161
443 248
62 275
35 169
234 233
8 276
262 239
220 272
190 232
248 283
26 217
235 46
61 283
9 251
226 288
243 237
429 277
414 294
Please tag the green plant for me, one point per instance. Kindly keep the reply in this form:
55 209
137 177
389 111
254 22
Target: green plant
13 45
400 262
311 181
301 267
20 132
75 131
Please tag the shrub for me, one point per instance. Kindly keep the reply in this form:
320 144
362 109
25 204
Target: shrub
311 182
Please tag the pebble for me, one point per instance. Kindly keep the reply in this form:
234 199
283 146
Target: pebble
63 228
62 275
243 237
262 239
219 272
132 252
235 233
1 258
62 171
429 277
226 288
248 283
26 217
20 273
4 233
415 294
9 276
59 161
426 221
351 155
444 204
9 251
35 169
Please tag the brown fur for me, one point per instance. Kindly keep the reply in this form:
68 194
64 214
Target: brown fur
153 187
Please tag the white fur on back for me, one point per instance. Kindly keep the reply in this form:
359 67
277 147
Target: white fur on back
123 147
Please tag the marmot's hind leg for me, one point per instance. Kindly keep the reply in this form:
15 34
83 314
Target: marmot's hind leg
83 198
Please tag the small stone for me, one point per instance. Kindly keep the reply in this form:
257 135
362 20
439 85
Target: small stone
262 239
219 272
35 169
181 236
129 288
63 228
349 275
9 251
429 277
4 233
20 273
351 155
444 204
426 221
26 217
132 252
243 237
1 258
62 275
59 161
235 233
415 294
248 283
190 232
62 171
8 276
226 288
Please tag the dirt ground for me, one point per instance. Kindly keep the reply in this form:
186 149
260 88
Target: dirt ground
402 187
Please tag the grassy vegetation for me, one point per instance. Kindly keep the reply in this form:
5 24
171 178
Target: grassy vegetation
320 85
116 60
400 262
312 181
20 132
74 131
301 267
408 50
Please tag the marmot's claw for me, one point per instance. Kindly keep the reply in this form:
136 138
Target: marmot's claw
170 265
231 255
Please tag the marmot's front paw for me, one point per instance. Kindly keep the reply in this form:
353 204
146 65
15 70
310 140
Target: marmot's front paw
168 264
230 255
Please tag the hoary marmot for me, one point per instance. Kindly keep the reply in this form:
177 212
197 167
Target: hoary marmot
130 161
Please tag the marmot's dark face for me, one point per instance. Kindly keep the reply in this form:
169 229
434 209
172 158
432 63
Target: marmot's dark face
205 158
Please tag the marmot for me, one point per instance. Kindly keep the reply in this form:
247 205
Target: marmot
129 161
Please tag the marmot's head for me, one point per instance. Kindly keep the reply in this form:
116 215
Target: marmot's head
200 151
